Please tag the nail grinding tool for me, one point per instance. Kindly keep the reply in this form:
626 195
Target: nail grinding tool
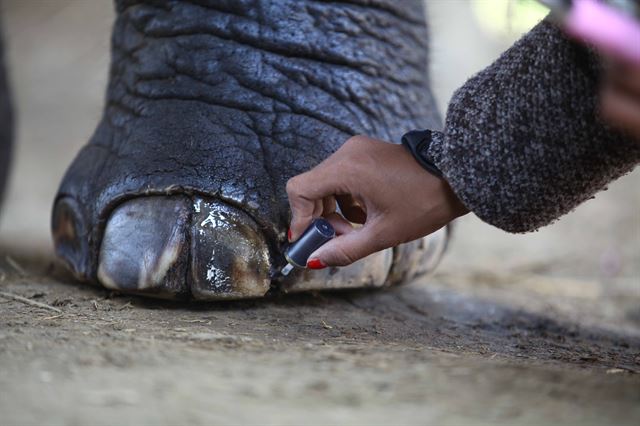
318 233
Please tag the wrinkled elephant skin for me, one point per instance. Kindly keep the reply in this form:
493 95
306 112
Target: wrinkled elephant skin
211 107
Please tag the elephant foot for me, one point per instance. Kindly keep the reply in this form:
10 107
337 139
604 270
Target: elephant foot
211 108
193 247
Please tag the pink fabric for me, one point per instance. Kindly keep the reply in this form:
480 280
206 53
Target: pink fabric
606 28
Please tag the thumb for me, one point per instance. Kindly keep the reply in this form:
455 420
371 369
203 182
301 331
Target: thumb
350 247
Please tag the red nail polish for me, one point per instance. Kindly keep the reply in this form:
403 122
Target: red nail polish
315 264
289 234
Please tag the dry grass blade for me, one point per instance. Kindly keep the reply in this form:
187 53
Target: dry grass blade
52 317
26 301
15 265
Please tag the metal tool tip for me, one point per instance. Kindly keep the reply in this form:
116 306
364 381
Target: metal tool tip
285 271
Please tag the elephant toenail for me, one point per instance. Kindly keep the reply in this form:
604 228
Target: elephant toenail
145 249
229 255
70 237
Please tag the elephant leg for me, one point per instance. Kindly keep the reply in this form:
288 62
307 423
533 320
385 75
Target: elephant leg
6 122
211 107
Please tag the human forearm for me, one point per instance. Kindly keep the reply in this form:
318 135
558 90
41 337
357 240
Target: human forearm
523 142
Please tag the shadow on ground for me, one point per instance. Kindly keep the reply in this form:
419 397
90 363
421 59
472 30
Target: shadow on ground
417 315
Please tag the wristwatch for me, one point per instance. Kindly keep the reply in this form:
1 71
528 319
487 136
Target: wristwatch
418 142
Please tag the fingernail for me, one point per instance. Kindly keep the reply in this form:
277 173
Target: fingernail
315 264
289 234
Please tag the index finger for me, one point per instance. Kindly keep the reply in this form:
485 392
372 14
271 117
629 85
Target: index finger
306 192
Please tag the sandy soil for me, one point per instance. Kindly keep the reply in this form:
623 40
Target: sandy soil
444 351
542 328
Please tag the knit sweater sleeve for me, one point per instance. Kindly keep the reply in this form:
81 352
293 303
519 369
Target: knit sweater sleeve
523 143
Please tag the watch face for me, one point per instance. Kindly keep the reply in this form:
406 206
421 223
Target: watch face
415 137
418 143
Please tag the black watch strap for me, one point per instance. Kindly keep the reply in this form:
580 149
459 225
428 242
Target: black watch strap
417 142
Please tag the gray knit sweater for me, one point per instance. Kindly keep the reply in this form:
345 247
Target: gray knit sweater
523 143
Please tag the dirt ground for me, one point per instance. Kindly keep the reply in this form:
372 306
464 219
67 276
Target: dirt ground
534 329
448 351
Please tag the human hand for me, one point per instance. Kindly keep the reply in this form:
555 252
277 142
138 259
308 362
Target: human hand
620 98
377 184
